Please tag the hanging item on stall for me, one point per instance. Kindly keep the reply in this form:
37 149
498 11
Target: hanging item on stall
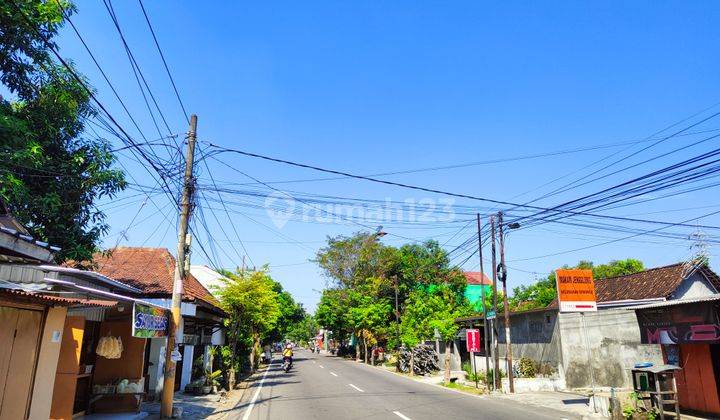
110 347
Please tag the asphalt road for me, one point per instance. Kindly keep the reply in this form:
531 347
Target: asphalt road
325 387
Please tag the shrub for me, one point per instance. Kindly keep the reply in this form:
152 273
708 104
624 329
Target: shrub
528 368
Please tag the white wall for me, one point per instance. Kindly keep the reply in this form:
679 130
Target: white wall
187 365
694 286
157 360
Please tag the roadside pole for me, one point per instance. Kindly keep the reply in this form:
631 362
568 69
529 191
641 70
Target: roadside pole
497 379
397 314
484 308
508 341
166 406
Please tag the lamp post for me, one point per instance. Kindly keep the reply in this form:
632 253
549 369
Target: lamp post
502 274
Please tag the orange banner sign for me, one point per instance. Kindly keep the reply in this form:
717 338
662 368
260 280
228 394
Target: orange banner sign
576 290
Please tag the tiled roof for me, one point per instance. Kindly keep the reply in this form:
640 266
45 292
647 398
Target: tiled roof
658 282
473 277
150 270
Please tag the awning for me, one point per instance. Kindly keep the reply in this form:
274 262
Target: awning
56 300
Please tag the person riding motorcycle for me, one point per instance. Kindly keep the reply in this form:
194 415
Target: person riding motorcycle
288 354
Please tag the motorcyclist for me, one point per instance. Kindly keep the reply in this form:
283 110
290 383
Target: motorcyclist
288 354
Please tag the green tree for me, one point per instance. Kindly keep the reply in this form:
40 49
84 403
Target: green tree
291 313
253 308
303 331
425 311
50 174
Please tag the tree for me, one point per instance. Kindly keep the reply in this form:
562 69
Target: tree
304 330
426 311
253 308
291 313
50 174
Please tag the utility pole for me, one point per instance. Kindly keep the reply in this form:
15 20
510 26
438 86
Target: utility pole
497 379
166 407
508 341
397 314
482 296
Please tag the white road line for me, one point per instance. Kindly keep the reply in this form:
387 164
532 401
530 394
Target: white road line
333 373
321 366
255 397
401 415
313 362
356 388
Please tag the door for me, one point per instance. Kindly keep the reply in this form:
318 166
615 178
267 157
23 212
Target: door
66 375
18 356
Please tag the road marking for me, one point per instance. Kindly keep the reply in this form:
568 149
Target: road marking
313 361
255 397
333 373
401 415
356 388
321 366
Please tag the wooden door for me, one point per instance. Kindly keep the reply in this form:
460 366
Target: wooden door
63 399
697 386
18 356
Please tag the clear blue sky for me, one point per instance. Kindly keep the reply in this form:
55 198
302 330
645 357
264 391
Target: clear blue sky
372 87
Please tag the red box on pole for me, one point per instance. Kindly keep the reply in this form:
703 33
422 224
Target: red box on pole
472 340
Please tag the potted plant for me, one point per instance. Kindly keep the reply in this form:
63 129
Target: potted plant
212 380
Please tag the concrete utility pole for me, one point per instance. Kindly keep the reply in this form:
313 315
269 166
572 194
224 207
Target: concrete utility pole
482 296
397 314
497 379
166 407
508 341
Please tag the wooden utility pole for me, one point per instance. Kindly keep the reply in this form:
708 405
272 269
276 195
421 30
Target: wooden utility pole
497 379
508 341
484 308
397 313
166 406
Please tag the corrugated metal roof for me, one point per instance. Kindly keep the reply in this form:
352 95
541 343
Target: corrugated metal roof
709 298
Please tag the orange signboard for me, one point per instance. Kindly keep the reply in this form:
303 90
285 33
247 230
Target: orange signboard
576 290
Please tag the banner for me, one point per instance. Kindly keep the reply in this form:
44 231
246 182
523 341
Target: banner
576 290
697 322
149 321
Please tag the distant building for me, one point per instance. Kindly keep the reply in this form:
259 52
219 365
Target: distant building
477 285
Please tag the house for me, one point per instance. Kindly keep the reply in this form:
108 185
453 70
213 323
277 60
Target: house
151 270
597 349
44 309
478 284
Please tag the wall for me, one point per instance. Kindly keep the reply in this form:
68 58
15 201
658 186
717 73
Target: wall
535 335
47 364
693 287
609 343
157 364
188 354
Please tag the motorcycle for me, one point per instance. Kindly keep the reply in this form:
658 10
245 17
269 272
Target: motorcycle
287 364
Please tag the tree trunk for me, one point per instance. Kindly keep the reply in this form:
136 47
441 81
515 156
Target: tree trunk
446 379
365 349
251 357
357 347
372 356
412 362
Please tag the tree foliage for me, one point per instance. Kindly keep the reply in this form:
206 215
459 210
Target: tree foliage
364 275
51 175
253 308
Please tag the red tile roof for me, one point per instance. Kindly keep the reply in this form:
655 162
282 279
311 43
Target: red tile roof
658 282
473 277
150 270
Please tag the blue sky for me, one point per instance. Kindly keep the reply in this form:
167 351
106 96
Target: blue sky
373 87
